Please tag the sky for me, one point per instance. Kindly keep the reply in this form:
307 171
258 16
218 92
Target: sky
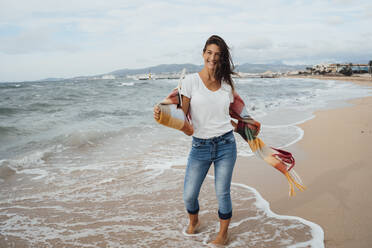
52 38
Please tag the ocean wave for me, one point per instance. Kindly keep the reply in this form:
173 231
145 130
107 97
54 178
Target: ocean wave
39 106
5 86
127 84
106 113
6 131
132 83
8 111
81 139
86 138
32 159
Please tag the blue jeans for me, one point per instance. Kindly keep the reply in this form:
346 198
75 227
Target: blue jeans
221 151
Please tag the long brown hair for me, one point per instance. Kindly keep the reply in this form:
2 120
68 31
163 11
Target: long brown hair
225 66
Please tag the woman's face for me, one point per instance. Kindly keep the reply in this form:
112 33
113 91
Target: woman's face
211 56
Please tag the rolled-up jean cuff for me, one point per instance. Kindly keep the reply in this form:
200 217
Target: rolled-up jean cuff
224 216
193 212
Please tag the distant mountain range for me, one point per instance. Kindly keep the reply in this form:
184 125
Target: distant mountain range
171 68
190 68
164 68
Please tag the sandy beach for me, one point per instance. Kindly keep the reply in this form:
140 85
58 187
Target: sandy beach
333 159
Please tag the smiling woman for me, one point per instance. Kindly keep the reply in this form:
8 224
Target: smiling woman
206 97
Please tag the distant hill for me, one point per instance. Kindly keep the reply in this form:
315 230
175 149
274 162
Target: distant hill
169 68
164 68
52 79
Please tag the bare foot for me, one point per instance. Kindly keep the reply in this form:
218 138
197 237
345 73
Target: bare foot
221 239
192 229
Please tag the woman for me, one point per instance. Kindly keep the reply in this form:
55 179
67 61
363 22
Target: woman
207 95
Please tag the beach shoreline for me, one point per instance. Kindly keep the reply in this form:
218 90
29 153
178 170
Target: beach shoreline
89 185
333 160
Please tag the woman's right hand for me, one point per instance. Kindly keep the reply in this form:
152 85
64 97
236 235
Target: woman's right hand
156 112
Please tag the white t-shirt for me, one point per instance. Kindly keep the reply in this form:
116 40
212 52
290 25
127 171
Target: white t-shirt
209 110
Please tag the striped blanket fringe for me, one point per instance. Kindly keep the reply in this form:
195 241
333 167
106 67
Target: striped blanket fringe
249 129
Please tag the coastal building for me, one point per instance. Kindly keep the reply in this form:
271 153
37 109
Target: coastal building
345 69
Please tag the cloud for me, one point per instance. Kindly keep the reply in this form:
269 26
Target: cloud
84 37
367 13
34 41
343 1
256 43
334 20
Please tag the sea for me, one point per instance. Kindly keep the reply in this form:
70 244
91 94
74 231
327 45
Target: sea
84 164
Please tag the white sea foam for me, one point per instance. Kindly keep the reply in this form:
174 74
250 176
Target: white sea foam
39 173
32 159
316 231
127 84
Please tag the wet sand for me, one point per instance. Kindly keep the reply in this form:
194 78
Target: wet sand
334 160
